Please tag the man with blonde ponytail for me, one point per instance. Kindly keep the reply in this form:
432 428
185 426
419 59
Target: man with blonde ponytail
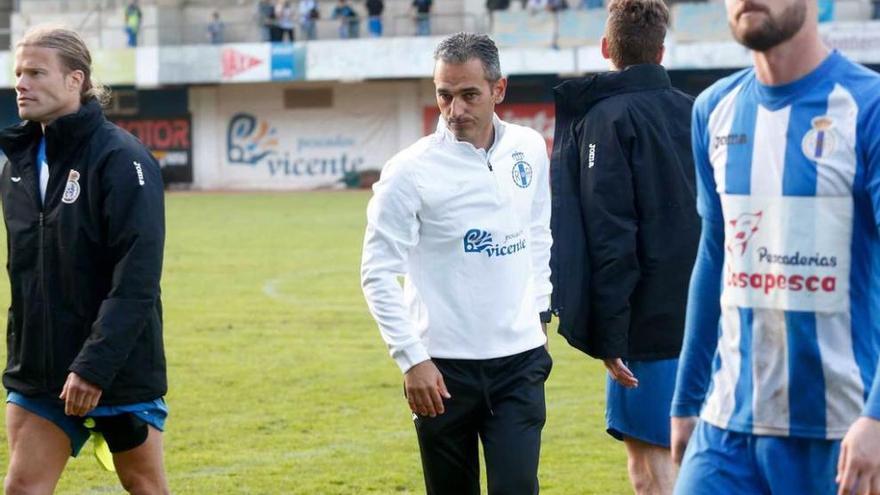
83 208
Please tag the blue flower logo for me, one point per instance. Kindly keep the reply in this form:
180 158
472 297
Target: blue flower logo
476 240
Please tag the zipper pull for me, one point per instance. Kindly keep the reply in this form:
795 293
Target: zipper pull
489 164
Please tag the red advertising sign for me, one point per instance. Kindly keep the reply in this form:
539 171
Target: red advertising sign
170 141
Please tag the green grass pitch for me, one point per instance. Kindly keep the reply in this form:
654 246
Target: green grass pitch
279 381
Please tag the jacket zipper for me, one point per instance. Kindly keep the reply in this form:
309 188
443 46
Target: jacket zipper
46 332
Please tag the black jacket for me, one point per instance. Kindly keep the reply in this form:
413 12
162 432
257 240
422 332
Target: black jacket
85 267
375 7
625 225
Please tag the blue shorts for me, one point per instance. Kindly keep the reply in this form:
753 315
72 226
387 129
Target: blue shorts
642 412
153 413
721 461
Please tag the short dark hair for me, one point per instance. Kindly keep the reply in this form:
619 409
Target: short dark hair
636 30
462 47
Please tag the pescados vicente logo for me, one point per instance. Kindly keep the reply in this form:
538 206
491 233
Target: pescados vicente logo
480 241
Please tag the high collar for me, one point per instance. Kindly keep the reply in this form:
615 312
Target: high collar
65 134
446 135
578 95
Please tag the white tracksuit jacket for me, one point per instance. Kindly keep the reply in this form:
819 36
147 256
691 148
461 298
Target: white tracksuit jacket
470 232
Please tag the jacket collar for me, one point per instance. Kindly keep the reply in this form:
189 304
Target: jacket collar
64 135
578 95
445 135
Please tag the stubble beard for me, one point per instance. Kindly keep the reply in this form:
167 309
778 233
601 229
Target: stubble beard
774 30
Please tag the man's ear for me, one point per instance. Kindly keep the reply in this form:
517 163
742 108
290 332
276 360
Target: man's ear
75 80
606 53
499 90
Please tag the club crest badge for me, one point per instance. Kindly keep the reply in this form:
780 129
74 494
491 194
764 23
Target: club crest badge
71 190
819 142
522 171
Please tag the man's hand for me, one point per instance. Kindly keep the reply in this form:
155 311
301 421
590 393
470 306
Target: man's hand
79 396
425 389
858 467
620 373
681 430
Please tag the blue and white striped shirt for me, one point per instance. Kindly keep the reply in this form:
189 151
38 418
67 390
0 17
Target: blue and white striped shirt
783 330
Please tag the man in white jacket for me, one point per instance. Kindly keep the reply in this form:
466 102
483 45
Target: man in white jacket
464 216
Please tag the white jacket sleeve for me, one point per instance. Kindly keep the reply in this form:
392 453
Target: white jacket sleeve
540 233
392 231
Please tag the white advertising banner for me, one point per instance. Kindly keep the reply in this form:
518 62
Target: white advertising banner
857 40
370 58
788 253
264 146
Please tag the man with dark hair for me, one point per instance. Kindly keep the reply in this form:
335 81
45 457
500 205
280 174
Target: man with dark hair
422 12
85 229
464 215
781 355
625 230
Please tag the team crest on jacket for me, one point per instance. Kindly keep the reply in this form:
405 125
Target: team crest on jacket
522 171
71 190
818 142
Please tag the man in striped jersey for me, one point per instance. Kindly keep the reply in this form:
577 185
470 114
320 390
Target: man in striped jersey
785 293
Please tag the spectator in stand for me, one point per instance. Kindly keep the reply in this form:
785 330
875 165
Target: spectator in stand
349 24
266 19
493 6
308 18
133 19
557 5
826 10
284 18
422 11
215 29
374 12
591 4
876 10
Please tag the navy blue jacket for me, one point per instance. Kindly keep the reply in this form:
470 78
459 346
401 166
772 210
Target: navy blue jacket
85 265
625 225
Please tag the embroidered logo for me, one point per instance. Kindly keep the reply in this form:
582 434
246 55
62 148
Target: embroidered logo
591 158
819 141
730 140
140 173
71 190
522 171
15 179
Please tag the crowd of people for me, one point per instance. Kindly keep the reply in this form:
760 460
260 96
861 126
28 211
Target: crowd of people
279 20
